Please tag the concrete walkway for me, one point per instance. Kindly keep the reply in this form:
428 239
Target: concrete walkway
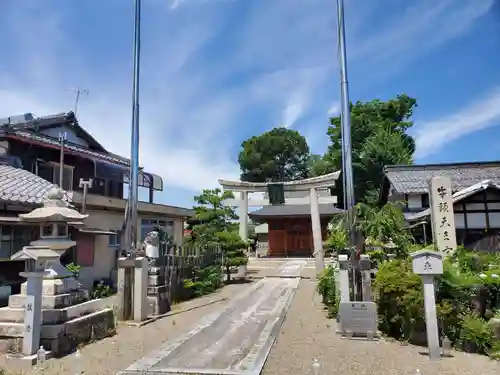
235 340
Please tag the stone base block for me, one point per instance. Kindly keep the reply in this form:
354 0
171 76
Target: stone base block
62 338
53 287
21 360
51 301
158 300
156 280
54 316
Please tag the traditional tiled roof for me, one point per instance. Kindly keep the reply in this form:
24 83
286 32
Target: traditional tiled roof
20 186
293 210
414 179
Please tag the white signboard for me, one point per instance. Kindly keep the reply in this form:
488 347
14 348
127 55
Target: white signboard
29 322
427 263
442 216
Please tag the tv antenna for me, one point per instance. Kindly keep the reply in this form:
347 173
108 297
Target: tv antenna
79 92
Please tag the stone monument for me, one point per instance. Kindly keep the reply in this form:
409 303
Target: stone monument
157 289
429 264
67 316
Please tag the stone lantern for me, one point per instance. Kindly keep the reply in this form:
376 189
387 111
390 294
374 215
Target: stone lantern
53 219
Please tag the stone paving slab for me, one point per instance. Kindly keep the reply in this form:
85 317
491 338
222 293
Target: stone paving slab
233 341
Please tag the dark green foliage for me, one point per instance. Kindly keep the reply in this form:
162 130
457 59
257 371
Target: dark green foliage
327 288
378 226
379 137
206 280
215 226
400 299
211 217
476 335
101 289
233 250
467 297
278 155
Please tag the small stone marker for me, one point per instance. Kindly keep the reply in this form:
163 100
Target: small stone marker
36 258
358 319
366 277
442 215
344 278
428 264
31 337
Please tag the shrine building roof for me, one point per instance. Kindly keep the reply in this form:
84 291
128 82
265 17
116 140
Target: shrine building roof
293 211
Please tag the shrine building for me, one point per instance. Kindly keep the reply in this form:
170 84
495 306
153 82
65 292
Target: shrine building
289 229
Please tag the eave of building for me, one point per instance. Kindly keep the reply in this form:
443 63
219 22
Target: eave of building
457 197
102 203
292 211
325 181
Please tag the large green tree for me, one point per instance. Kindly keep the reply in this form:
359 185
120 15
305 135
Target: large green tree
211 216
214 224
278 155
378 137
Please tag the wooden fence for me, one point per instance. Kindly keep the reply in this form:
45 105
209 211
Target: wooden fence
178 263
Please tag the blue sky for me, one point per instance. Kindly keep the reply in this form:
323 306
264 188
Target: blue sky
215 72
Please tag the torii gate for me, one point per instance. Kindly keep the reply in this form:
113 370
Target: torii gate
313 185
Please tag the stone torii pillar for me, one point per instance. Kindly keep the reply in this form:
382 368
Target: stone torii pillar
243 214
316 229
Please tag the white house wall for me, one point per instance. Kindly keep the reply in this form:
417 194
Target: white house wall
105 256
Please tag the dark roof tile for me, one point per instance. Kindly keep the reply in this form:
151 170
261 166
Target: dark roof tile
20 186
414 179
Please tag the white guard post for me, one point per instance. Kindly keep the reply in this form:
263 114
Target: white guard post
428 264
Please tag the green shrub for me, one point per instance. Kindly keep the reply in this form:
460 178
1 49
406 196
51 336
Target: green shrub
206 280
327 288
401 299
101 290
476 335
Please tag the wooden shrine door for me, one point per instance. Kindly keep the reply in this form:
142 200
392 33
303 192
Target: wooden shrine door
299 238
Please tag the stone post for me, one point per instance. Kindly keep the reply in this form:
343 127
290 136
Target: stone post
316 231
243 229
366 278
32 312
140 298
429 264
344 278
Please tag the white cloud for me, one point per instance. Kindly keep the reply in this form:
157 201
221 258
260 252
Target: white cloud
334 110
432 135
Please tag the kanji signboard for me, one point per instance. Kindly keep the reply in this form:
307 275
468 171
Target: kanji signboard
443 219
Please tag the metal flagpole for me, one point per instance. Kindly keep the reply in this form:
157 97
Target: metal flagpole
132 217
346 133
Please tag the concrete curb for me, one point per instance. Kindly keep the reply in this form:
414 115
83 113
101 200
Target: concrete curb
171 313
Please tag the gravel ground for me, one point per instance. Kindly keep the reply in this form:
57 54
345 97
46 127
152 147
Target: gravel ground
306 333
114 354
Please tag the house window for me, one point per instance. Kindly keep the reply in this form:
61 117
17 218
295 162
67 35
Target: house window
14 238
425 200
50 172
114 240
